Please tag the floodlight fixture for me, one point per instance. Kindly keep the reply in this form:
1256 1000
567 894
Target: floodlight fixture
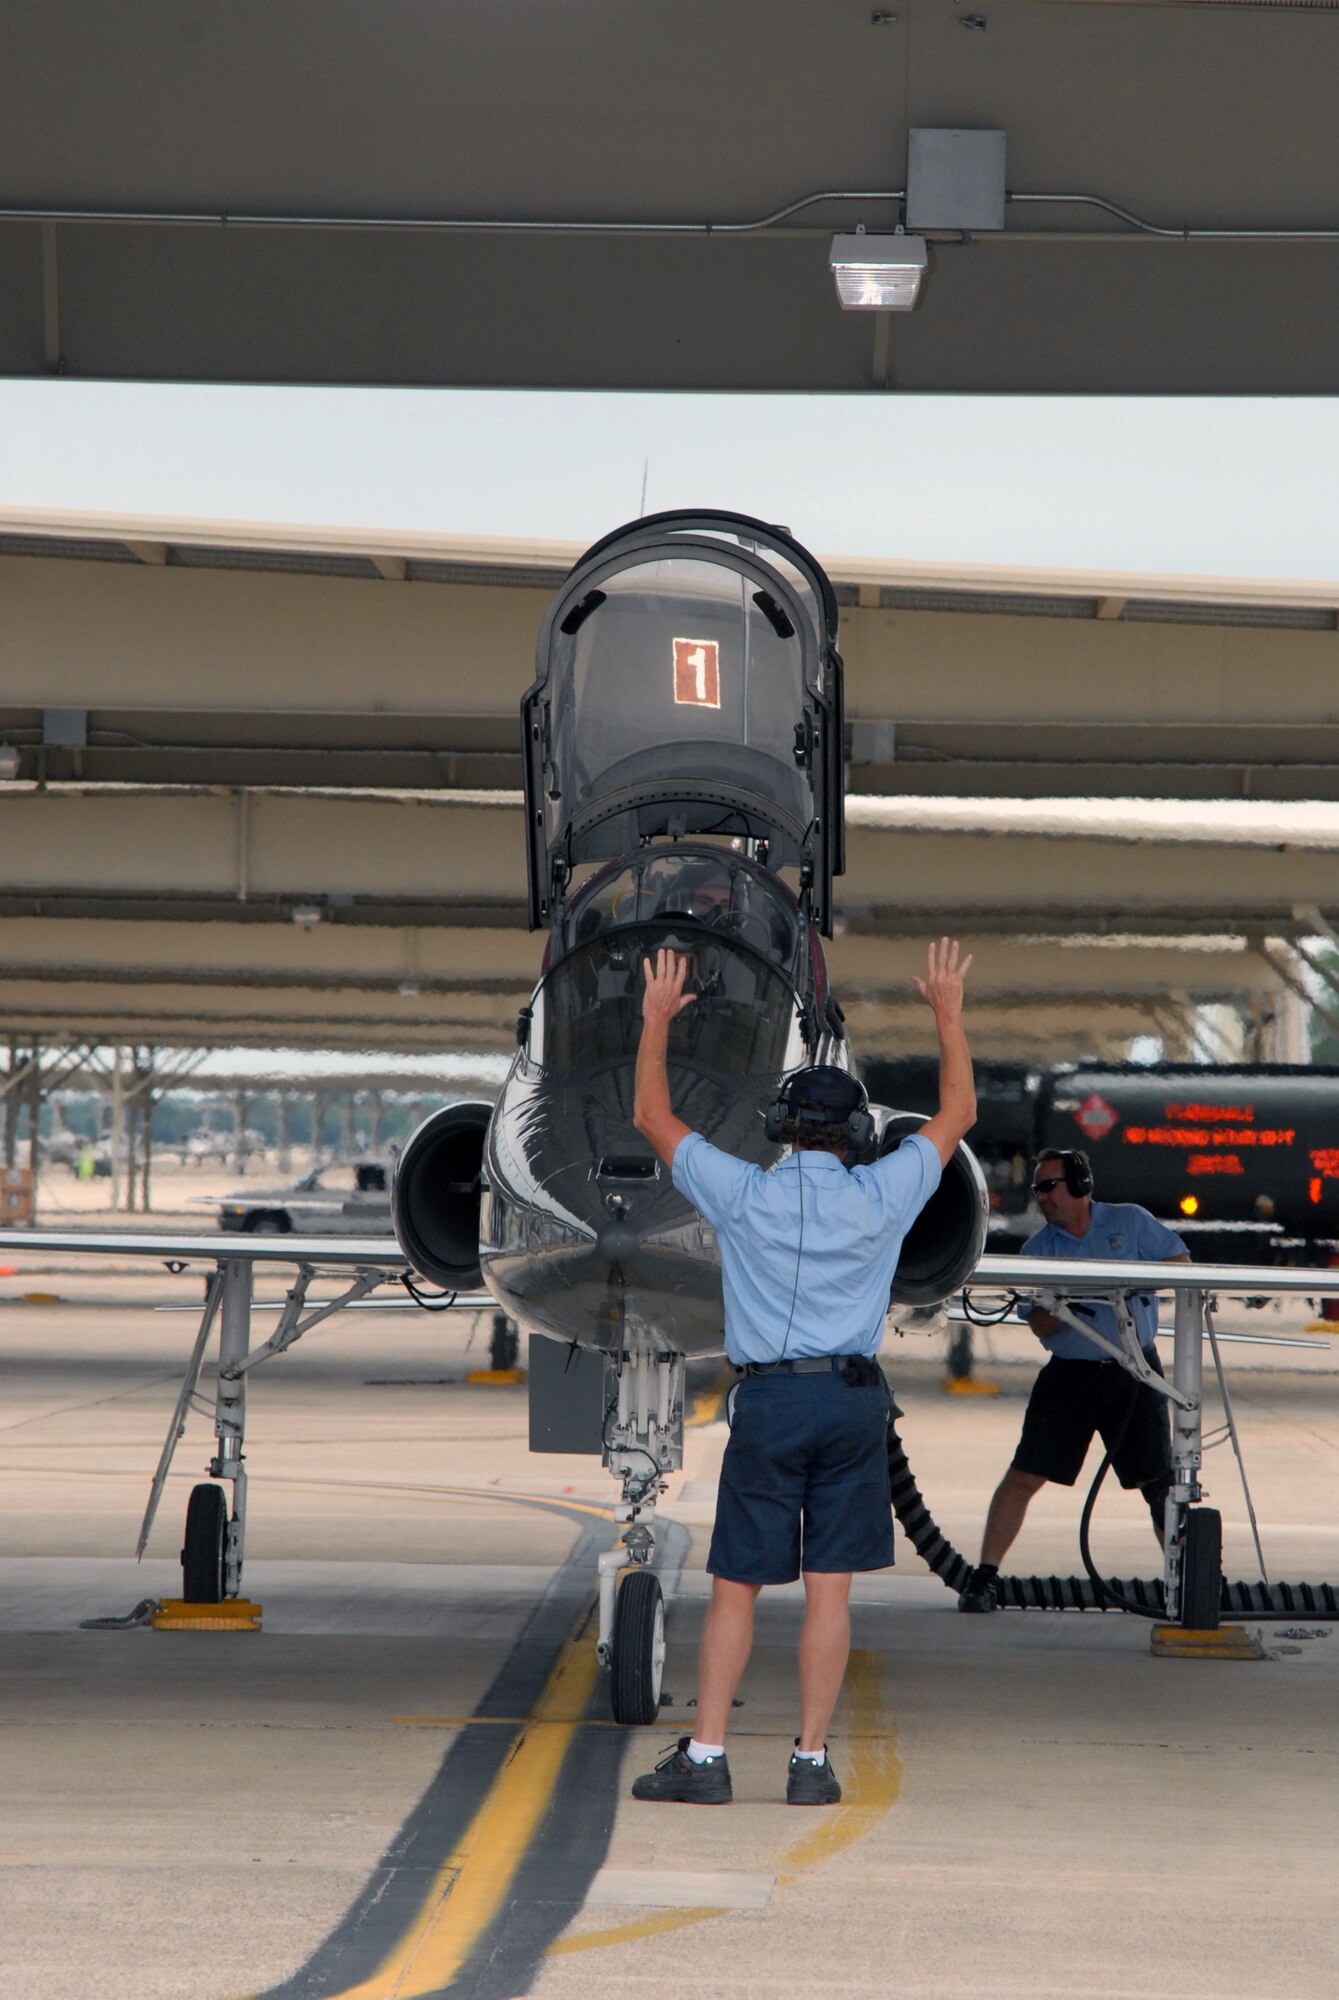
877 273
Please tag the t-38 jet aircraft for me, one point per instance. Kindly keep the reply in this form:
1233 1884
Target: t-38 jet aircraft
683 787
683 747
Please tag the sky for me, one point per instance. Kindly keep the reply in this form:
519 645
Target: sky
1216 487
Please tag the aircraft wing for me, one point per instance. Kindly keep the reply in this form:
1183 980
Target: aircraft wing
382 1252
1092 1276
1020 1274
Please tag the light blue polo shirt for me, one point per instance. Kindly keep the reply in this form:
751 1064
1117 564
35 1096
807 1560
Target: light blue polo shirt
851 1224
1116 1229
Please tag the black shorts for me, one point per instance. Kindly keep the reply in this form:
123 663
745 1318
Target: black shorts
1072 1399
804 1481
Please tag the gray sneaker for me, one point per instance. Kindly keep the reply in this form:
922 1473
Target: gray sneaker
810 1784
678 1780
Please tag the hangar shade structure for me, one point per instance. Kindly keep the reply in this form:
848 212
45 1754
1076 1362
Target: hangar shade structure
262 785
594 195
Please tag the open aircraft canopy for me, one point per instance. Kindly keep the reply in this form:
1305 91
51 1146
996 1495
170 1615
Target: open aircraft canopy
687 682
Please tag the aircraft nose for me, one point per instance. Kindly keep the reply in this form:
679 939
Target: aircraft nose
619 1241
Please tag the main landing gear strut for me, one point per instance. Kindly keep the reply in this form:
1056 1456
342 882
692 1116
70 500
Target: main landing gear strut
214 1544
643 1441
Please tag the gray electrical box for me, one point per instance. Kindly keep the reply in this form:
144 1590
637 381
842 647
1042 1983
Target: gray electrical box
65 728
566 1397
955 179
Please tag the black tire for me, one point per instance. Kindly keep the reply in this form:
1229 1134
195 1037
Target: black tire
204 1550
638 1650
1202 1569
263 1224
504 1344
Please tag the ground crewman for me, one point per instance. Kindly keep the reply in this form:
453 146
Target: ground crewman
1082 1389
808 1253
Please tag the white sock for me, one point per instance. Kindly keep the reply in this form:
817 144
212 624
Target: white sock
814 1756
698 1753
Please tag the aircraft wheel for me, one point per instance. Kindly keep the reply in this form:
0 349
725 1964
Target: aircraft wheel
1202 1569
638 1648
504 1345
204 1550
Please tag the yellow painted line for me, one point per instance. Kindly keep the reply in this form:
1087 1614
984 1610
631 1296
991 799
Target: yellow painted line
588 1722
472 1883
494 1722
870 1790
869 1793
664 1920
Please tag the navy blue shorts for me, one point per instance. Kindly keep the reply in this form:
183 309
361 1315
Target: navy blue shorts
1072 1399
804 1482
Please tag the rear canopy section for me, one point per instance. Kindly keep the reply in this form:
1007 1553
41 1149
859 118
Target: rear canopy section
687 682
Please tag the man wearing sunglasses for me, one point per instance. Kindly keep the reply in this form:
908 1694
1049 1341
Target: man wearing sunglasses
1081 1389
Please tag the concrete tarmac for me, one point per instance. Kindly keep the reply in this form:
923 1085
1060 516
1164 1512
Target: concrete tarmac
407 1783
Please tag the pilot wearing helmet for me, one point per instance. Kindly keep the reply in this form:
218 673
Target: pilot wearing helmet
701 890
808 1253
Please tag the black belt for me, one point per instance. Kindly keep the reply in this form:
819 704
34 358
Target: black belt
816 1364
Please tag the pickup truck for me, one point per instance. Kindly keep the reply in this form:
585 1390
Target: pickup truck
345 1197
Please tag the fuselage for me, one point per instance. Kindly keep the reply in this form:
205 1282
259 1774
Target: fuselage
583 1235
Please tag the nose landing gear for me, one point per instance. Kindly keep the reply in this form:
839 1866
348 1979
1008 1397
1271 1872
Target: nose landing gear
643 1440
637 1662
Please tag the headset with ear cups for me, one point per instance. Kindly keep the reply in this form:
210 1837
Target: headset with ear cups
824 1095
1076 1167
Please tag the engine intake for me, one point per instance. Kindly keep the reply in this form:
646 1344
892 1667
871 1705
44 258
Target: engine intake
436 1192
946 1239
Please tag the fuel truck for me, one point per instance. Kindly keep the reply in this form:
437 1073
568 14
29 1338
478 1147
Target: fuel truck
1242 1160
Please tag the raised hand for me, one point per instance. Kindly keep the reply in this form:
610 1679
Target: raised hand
941 988
663 996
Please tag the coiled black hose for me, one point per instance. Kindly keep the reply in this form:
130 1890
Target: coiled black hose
1077 1593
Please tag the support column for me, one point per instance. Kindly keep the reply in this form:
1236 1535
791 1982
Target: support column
149 1096
35 1126
118 1126
11 1108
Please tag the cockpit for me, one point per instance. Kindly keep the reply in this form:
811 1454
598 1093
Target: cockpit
750 965
718 890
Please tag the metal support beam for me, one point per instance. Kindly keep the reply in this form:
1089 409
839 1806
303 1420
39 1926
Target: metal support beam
1187 1424
230 1410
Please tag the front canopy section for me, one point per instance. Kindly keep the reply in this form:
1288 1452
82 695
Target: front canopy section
687 682
755 968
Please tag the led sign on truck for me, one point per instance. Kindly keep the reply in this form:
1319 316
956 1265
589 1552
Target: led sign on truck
1224 1145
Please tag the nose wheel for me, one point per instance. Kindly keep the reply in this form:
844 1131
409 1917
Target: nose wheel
637 1662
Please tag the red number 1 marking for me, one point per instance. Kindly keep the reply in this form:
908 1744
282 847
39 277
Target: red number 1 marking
697 673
